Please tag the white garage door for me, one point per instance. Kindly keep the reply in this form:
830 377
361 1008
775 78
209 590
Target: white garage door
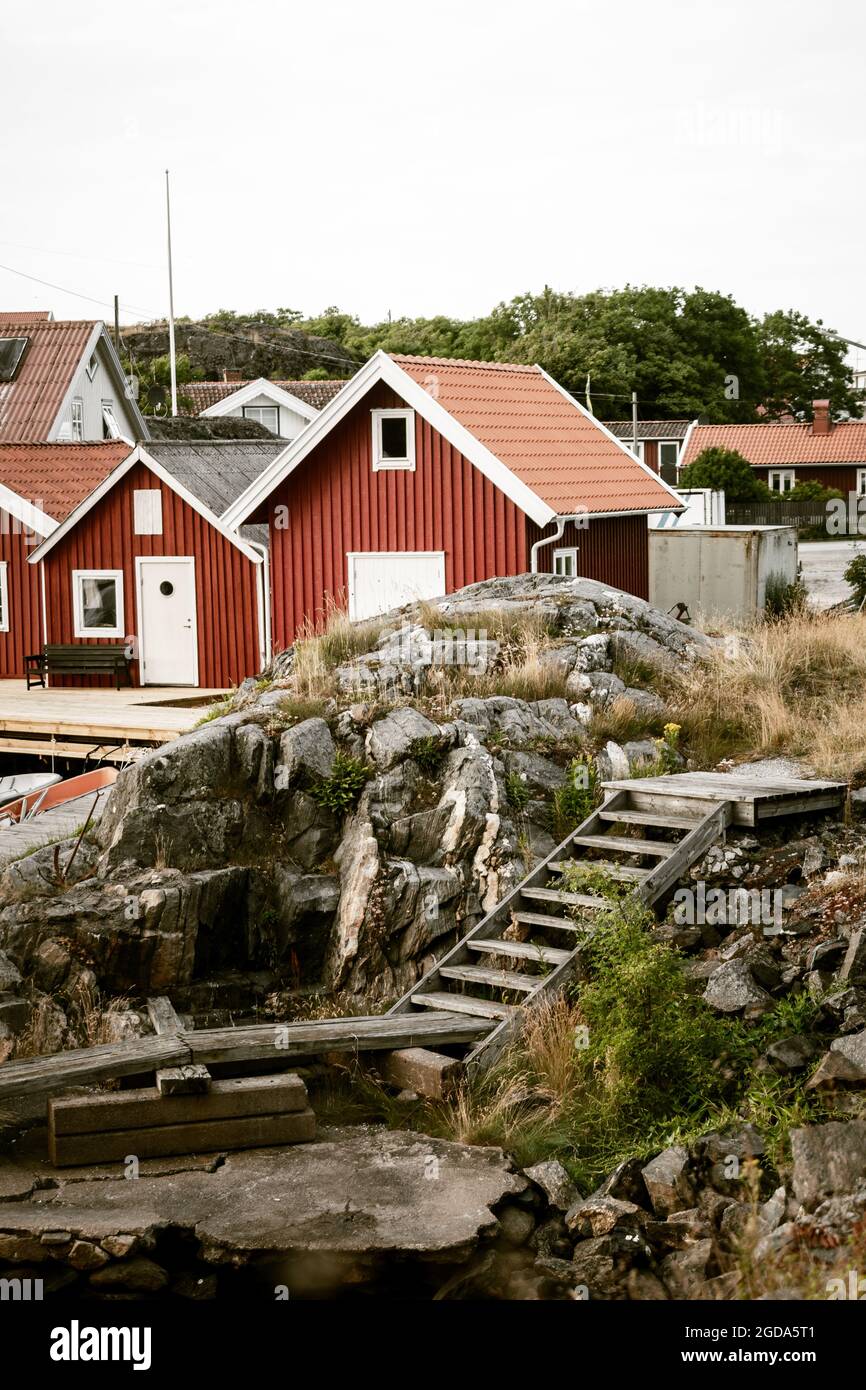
380 580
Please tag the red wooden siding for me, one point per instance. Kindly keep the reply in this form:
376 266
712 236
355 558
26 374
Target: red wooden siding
651 454
337 504
841 476
614 550
24 601
225 580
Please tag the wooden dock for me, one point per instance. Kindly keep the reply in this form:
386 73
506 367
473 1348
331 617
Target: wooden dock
106 724
751 800
56 824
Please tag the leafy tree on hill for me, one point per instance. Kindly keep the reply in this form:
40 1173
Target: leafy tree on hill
727 471
804 363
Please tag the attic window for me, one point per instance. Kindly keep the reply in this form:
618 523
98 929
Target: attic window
267 415
110 428
147 511
92 366
11 352
393 439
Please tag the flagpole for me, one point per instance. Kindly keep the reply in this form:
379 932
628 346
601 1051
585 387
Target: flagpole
171 351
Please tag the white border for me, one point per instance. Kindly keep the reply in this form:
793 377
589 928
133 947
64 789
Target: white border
406 465
248 390
140 562
389 555
786 469
4 596
79 630
140 455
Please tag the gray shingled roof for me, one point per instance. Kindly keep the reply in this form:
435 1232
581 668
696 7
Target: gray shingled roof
216 471
649 429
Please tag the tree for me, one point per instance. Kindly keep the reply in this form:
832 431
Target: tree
725 470
154 382
804 363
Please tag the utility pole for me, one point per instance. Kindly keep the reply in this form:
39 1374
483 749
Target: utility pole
117 324
634 422
171 352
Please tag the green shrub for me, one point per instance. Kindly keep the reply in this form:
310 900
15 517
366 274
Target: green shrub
579 795
855 575
339 793
727 471
784 599
429 754
517 791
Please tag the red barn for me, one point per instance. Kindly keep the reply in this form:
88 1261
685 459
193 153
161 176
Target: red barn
40 484
146 560
424 474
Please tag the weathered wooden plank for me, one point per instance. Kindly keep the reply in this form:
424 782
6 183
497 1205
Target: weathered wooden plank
486 975
236 1097
41 1075
561 895
465 1004
361 1034
659 820
659 848
207 1136
541 919
161 1013
522 950
419 1069
690 848
190 1080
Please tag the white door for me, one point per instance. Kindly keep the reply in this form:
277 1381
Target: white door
168 645
380 580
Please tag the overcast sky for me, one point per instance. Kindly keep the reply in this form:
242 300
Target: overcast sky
432 158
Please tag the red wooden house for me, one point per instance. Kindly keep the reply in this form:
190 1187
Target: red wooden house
830 452
146 560
40 484
425 474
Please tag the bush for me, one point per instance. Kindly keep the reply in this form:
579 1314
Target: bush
726 471
784 599
855 575
580 794
339 793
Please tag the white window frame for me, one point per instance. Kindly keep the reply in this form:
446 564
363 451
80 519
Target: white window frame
109 420
406 465
784 475
568 554
147 511
628 443
861 482
78 420
92 366
78 608
255 412
4 596
671 443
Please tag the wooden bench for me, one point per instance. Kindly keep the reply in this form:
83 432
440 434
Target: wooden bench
78 659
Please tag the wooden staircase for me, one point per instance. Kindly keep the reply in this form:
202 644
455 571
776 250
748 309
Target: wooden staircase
529 945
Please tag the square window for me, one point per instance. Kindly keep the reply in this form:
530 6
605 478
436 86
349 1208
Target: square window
565 563
147 511
393 439
781 480
97 597
267 415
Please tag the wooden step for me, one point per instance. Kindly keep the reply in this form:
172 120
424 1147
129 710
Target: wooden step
541 919
660 819
463 1004
660 848
602 866
484 975
559 895
521 950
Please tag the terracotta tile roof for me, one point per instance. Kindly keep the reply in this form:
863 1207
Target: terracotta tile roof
649 429
56 477
19 316
204 394
771 445
540 434
29 403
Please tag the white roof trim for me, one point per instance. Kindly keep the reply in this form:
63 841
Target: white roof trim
30 516
140 455
260 387
604 429
381 368
686 442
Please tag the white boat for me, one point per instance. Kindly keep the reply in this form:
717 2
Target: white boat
47 797
25 784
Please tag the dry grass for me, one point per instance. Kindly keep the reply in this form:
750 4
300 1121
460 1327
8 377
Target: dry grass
321 647
526 667
796 687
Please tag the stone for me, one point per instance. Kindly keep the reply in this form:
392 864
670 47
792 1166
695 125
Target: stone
596 1216
684 1271
667 1181
121 1246
306 750
516 1225
138 1275
84 1255
829 1160
555 1183
10 975
845 1062
791 1054
390 739
853 967
733 989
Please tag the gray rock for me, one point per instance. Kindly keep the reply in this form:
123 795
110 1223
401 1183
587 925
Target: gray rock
390 739
845 1062
791 1054
684 1271
853 966
732 989
667 1181
305 749
516 1225
555 1183
828 1160
596 1216
10 975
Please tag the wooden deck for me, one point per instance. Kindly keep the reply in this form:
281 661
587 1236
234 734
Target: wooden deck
751 800
57 824
107 723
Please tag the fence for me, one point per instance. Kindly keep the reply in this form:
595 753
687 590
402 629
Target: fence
781 513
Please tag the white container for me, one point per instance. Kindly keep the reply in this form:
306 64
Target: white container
704 507
719 571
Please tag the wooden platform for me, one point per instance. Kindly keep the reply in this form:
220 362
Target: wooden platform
72 722
751 800
45 829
